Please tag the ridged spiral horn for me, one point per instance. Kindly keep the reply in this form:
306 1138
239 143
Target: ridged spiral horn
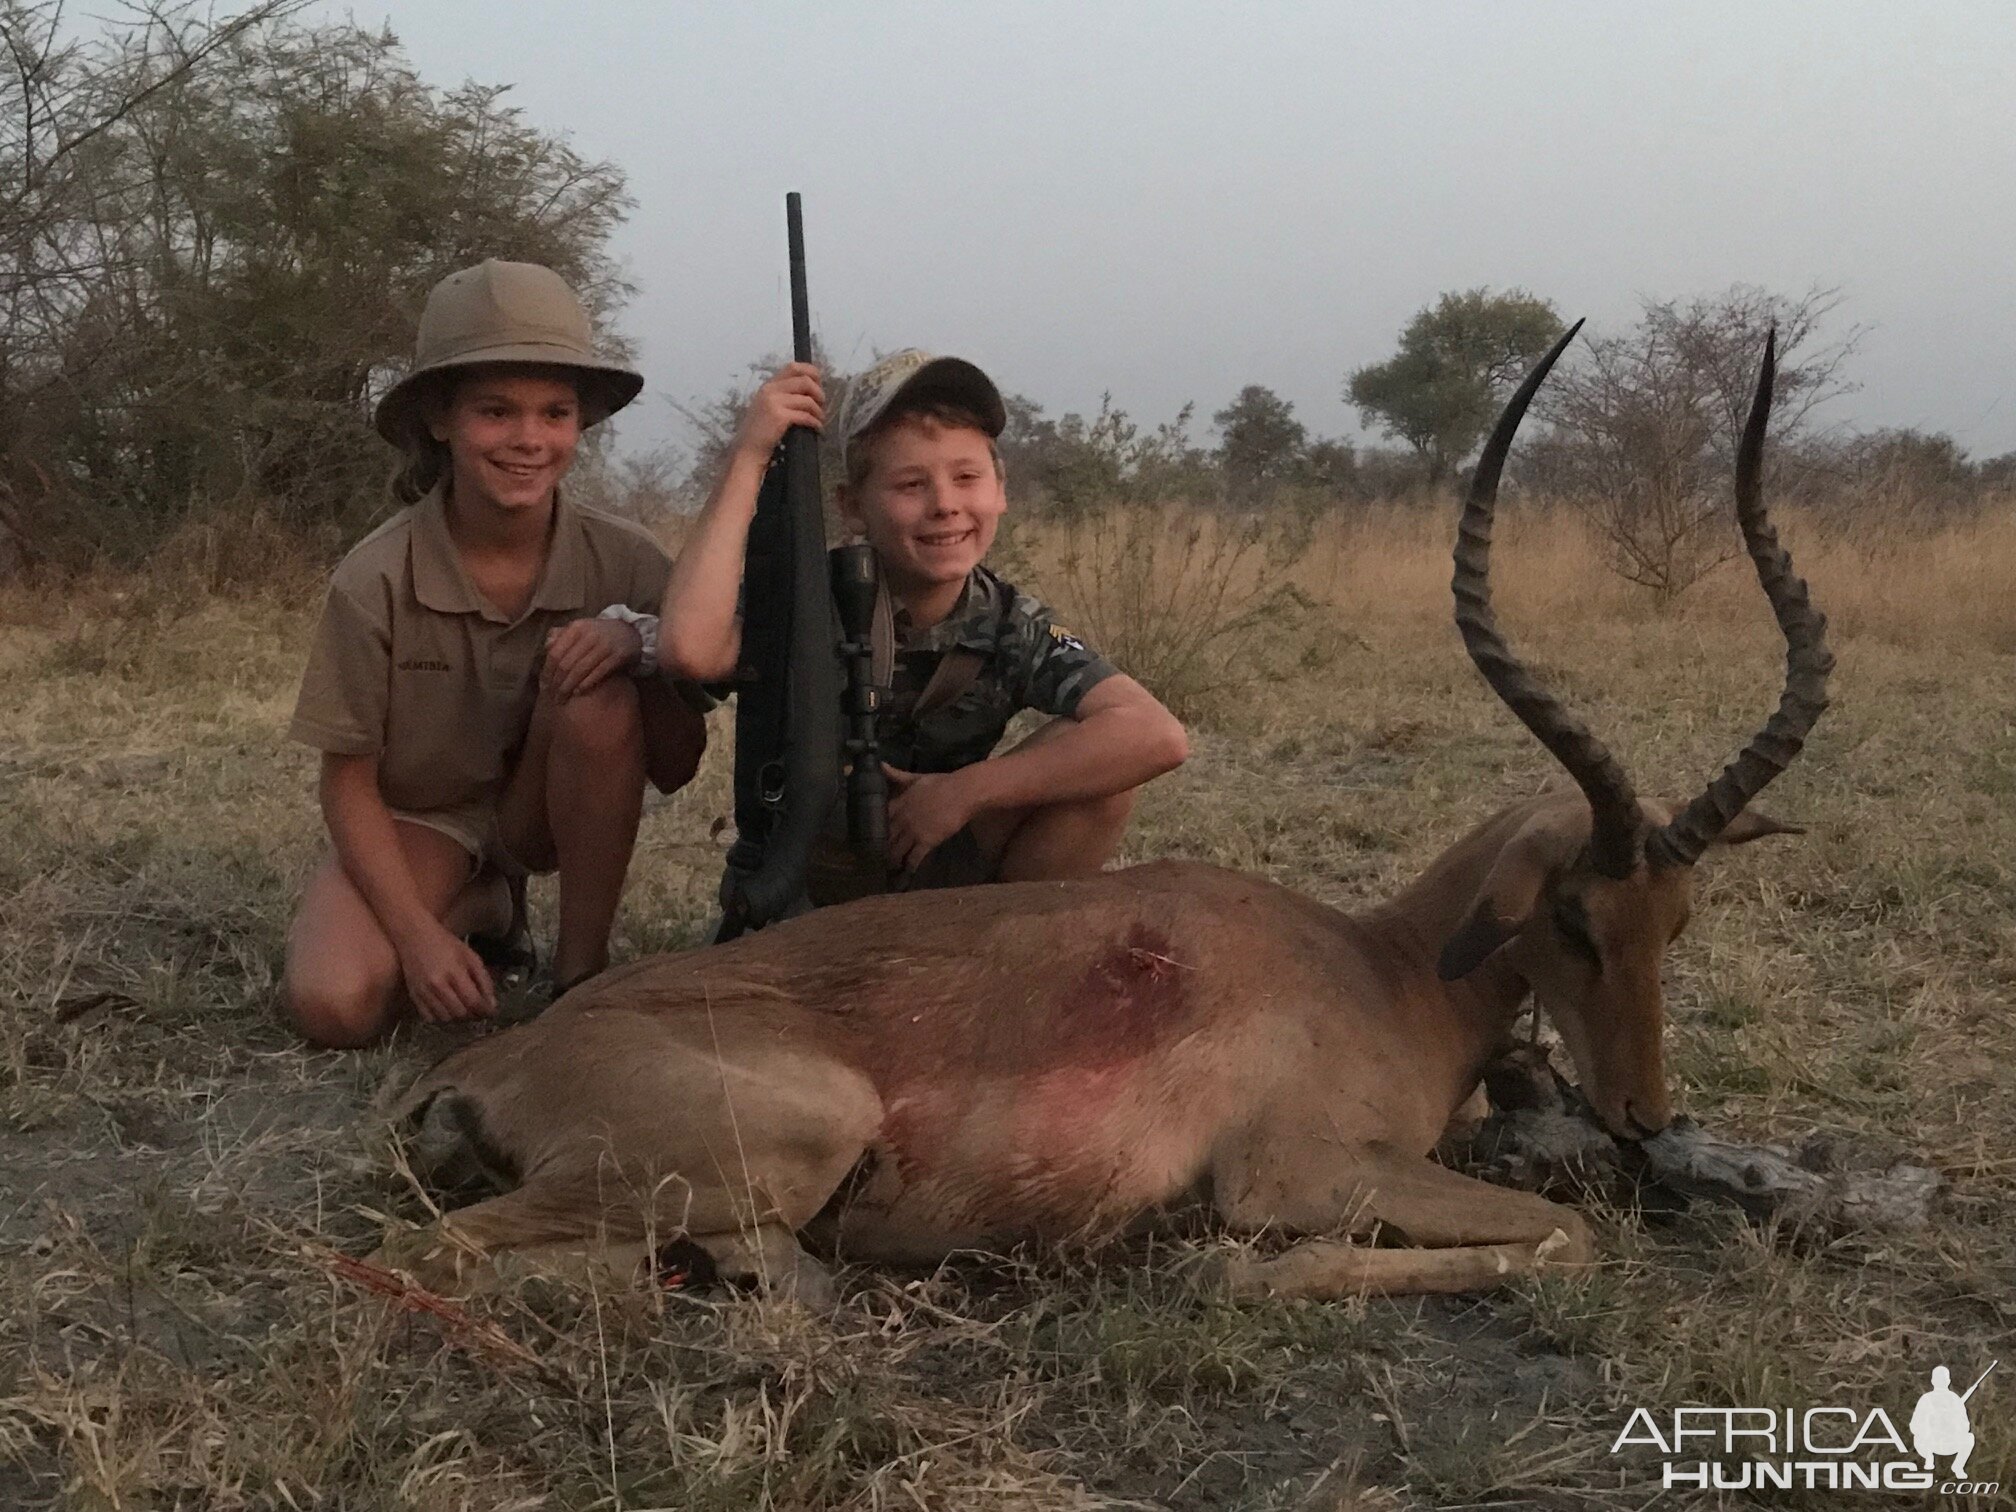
1618 823
1807 659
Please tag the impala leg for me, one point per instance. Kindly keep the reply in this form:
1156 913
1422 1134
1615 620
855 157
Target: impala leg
770 1256
1329 1268
760 1139
1430 1230
458 1253
574 1228
443 1258
1464 1122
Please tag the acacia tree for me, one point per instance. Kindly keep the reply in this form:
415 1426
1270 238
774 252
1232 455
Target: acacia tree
1901 472
230 231
1261 443
1997 472
66 100
1330 467
1075 464
715 421
1645 423
1457 360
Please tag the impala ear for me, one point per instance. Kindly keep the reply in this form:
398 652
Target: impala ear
1751 825
1481 936
1505 904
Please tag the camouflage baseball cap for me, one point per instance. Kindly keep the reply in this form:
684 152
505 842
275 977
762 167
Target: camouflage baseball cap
506 312
918 378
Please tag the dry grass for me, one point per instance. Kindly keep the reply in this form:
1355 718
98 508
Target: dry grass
177 1172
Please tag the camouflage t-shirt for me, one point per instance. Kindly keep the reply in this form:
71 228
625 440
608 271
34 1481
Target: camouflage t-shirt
1028 661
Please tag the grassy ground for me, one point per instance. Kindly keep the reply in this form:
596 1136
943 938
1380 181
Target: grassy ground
177 1176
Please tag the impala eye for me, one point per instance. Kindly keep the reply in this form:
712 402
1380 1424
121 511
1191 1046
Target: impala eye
1571 922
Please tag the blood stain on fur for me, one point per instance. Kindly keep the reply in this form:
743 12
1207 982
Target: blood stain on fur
1127 1001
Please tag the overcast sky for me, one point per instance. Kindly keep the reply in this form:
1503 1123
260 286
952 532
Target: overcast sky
1170 201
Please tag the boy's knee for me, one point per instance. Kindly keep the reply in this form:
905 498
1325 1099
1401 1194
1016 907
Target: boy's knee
675 738
1113 809
604 721
341 1015
671 770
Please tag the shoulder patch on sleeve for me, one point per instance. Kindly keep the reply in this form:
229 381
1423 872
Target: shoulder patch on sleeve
1066 639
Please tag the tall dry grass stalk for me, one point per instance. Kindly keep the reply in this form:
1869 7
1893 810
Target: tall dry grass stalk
1910 584
1195 604
1203 606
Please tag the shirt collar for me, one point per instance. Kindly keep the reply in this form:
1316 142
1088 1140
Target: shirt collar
971 626
440 582
564 584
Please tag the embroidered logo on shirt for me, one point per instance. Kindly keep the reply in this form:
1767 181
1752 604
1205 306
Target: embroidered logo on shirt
424 664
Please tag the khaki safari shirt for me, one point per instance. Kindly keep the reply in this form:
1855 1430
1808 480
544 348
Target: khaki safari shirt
1028 661
411 665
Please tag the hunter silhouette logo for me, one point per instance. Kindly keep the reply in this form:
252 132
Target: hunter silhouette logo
1832 1448
1939 1423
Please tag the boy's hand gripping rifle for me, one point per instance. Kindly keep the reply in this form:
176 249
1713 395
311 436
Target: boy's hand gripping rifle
788 739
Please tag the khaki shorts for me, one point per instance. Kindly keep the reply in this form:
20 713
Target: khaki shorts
836 875
475 830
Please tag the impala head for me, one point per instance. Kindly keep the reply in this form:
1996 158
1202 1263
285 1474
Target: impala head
1589 890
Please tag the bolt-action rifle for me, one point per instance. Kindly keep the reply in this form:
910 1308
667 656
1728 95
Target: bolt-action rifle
788 702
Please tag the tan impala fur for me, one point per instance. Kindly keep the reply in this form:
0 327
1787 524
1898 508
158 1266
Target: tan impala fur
906 1076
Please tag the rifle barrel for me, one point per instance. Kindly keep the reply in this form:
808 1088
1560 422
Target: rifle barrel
801 304
1979 1379
787 772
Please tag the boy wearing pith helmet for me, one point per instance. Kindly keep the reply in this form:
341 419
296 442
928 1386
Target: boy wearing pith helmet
483 685
924 484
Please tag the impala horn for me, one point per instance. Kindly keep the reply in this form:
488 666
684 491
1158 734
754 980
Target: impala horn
1807 659
1618 823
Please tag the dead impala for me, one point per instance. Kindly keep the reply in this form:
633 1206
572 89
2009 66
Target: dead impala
911 1075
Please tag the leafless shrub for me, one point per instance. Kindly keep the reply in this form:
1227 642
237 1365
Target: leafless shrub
1645 423
1192 602
1899 475
646 486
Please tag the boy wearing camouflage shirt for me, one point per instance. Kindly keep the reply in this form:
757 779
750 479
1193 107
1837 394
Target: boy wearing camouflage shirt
924 485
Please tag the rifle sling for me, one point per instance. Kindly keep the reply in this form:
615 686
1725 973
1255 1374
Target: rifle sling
956 671
882 637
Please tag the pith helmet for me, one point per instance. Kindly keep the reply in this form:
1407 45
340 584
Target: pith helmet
917 378
506 312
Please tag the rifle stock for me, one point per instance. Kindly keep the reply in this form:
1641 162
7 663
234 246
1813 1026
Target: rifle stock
787 714
788 738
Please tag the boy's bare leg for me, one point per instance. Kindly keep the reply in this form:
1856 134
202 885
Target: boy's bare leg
675 736
341 982
572 805
575 799
1056 840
